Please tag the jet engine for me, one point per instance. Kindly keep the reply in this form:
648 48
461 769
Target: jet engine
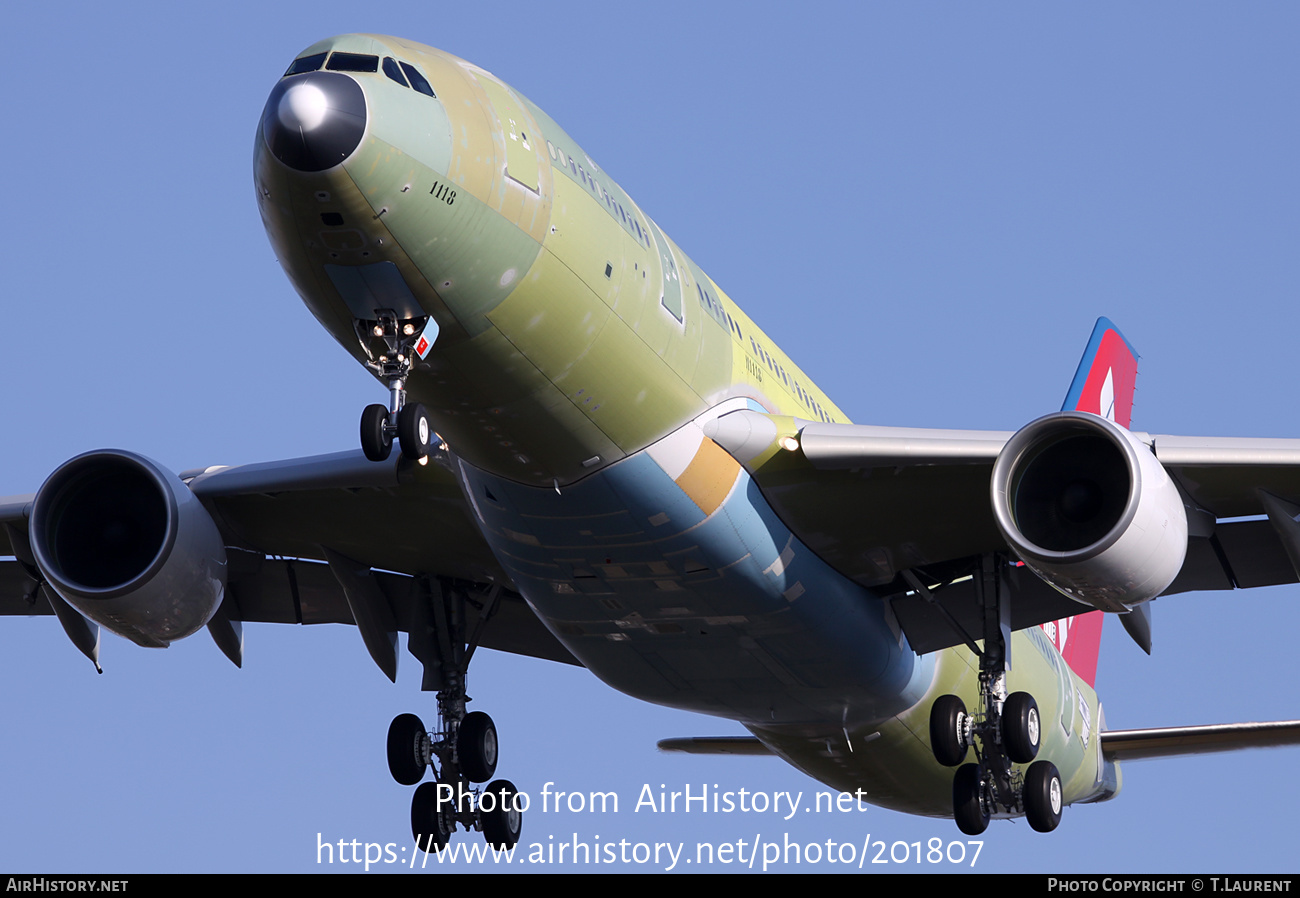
1088 507
126 543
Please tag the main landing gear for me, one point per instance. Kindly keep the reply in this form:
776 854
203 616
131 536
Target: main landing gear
463 755
1006 730
462 749
390 344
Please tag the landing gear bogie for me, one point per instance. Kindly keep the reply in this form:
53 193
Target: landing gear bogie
462 750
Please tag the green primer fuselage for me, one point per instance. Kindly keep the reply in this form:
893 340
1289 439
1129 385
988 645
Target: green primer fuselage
572 334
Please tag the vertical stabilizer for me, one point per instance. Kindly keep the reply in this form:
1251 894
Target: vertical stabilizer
1106 377
1103 385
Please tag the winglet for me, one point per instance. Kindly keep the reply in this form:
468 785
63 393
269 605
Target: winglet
1106 378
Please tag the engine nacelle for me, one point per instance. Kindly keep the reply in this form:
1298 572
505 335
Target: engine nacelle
1088 507
127 544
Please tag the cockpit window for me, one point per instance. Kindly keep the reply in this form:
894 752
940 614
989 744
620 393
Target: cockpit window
392 71
306 64
417 80
353 62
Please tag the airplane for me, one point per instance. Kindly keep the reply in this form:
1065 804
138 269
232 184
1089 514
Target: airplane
561 471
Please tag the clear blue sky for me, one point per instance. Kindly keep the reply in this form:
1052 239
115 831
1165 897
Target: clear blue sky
928 205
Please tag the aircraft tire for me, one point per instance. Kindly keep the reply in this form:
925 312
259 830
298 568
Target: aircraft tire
970 812
375 441
503 823
1022 730
476 747
406 749
414 431
431 826
947 723
1043 800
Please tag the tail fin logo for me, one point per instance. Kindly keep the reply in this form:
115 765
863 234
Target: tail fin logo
1106 377
1058 631
1078 639
1107 404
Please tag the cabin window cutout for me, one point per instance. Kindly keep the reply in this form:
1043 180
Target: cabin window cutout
306 64
352 62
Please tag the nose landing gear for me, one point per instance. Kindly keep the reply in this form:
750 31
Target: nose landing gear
391 344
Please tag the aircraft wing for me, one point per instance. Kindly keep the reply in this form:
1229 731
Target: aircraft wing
301 534
1117 745
908 512
1168 742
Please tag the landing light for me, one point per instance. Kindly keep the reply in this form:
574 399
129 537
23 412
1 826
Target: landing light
790 444
378 330
408 329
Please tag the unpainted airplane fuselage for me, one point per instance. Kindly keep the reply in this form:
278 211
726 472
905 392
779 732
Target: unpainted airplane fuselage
579 353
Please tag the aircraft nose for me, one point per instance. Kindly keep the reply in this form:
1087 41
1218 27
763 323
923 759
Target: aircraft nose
314 121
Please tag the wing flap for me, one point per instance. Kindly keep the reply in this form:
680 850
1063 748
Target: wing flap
13 511
950 615
19 594
1225 475
307 592
1239 555
396 516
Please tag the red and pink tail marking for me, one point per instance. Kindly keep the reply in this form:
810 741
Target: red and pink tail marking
1103 385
